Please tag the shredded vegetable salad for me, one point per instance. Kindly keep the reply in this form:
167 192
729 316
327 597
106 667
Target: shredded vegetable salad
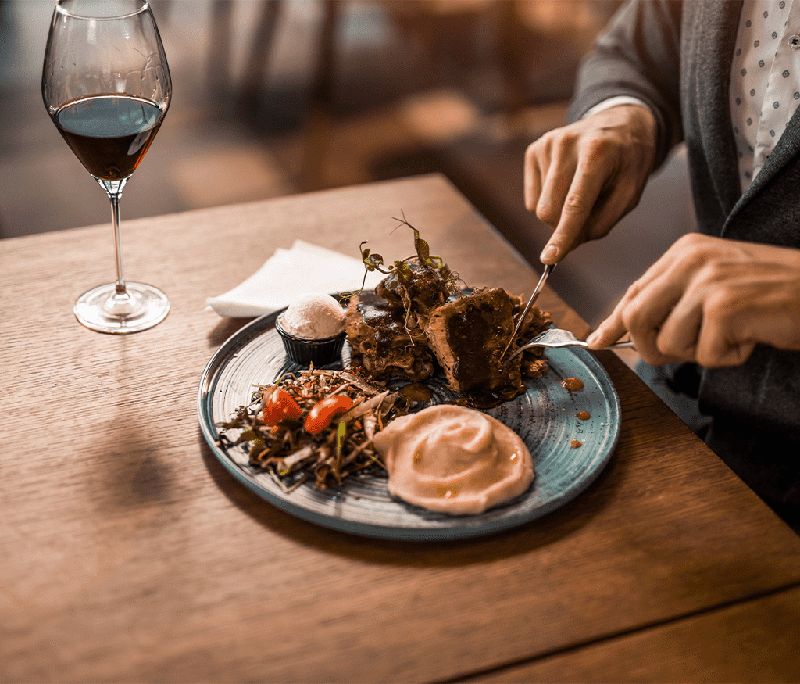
313 426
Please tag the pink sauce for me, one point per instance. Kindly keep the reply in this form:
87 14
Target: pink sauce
454 460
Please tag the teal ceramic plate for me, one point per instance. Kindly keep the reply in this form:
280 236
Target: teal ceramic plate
545 417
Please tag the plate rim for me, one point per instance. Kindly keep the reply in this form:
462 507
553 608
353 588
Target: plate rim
243 335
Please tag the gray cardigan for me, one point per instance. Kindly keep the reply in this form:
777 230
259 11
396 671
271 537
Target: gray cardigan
676 57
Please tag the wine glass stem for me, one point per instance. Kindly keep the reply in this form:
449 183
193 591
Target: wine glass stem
120 284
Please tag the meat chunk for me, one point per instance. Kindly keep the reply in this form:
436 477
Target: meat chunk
381 342
468 336
416 290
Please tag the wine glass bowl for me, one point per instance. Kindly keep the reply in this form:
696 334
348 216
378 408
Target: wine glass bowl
106 86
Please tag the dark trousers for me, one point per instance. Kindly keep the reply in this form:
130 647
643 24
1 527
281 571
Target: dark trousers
767 460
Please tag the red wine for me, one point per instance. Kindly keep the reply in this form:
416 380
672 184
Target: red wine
109 134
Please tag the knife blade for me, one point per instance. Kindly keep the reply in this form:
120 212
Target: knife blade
548 269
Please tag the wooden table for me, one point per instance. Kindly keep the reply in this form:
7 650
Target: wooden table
130 554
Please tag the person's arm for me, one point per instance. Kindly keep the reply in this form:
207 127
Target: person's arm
581 179
710 300
637 55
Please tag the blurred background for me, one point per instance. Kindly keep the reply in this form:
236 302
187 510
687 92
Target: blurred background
275 97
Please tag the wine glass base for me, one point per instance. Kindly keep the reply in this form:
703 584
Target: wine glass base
104 310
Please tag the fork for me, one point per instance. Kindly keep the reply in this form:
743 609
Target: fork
553 338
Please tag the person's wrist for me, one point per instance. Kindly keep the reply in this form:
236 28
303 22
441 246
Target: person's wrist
636 118
645 118
766 254
644 129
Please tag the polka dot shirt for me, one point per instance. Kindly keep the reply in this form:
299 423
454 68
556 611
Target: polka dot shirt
765 80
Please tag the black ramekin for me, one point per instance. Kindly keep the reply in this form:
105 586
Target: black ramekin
305 351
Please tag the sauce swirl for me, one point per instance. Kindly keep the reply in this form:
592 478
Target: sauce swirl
454 460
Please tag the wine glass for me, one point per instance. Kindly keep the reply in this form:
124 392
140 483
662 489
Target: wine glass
107 88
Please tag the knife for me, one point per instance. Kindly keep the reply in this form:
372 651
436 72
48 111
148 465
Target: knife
548 269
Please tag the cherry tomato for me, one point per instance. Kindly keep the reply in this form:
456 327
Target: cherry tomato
279 406
324 411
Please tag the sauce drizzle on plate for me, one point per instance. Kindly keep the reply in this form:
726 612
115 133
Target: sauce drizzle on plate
572 384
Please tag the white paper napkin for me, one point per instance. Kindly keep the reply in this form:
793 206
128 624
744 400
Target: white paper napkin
289 273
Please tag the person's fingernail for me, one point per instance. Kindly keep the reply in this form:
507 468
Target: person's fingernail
548 253
593 337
